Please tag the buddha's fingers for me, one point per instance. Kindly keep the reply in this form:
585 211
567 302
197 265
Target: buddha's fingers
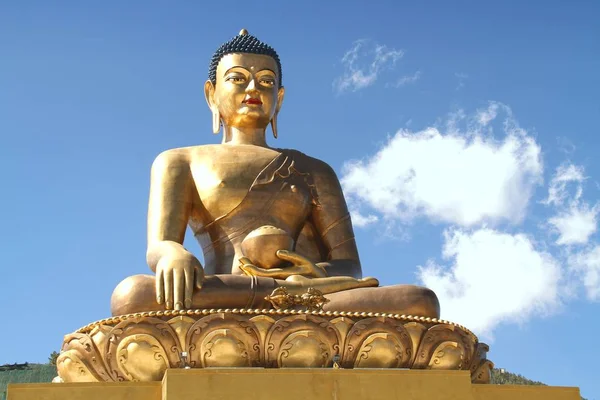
168 287
160 287
243 267
304 266
199 274
253 270
334 284
244 261
292 257
275 273
188 285
369 282
179 288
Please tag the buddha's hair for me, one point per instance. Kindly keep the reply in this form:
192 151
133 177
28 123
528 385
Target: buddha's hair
242 43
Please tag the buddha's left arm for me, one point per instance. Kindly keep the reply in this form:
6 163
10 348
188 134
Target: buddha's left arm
331 220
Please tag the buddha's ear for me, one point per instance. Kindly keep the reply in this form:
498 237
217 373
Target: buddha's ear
280 95
209 94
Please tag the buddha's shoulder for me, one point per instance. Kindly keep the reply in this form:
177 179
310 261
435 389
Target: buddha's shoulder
309 163
186 154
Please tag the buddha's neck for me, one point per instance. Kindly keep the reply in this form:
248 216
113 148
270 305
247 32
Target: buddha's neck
252 136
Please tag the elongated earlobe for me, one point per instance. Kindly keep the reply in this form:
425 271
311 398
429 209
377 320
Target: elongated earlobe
274 126
209 91
280 94
216 122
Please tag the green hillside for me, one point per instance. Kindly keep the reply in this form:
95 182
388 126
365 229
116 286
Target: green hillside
503 377
25 373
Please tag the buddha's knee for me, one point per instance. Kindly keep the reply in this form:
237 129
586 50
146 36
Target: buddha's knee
134 294
397 299
428 304
415 300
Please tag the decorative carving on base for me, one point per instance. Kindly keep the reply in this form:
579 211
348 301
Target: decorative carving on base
312 300
140 347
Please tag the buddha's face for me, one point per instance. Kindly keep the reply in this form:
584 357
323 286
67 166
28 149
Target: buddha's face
247 92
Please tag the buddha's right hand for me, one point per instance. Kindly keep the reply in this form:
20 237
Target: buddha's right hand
178 273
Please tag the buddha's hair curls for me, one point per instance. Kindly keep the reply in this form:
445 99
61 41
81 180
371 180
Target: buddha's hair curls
242 43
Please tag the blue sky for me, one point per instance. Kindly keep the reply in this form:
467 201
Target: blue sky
465 135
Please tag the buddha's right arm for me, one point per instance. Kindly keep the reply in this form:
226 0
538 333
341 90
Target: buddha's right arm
170 204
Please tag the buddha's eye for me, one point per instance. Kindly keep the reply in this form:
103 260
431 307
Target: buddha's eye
267 81
236 79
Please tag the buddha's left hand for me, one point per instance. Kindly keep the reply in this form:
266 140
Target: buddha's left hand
300 266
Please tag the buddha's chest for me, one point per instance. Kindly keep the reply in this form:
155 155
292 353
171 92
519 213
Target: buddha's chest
252 185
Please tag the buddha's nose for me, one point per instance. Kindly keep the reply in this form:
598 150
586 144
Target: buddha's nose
251 86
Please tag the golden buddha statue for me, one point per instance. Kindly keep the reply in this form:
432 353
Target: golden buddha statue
281 285
235 190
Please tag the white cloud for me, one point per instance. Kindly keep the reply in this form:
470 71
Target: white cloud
473 171
453 121
407 80
565 174
459 177
484 117
575 220
362 220
494 277
358 73
587 264
576 225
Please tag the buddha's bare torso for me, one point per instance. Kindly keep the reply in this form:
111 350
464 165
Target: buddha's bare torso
224 207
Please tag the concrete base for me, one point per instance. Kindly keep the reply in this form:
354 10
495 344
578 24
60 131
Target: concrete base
294 384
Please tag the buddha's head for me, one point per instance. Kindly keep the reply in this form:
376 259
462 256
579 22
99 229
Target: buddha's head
244 87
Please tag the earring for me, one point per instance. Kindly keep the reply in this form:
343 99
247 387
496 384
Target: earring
274 126
216 122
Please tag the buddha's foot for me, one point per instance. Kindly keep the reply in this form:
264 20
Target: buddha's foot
140 347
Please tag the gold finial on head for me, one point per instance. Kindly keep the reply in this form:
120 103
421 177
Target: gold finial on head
243 32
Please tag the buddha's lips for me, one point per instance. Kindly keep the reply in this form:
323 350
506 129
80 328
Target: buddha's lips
253 101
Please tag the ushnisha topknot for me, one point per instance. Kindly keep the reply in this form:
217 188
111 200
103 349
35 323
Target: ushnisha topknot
242 43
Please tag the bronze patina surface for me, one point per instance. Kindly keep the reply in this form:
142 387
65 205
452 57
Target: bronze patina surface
281 283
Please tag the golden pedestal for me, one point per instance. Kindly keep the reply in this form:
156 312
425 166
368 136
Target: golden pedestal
141 347
294 384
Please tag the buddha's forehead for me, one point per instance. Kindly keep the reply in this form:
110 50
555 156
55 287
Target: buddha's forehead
251 62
